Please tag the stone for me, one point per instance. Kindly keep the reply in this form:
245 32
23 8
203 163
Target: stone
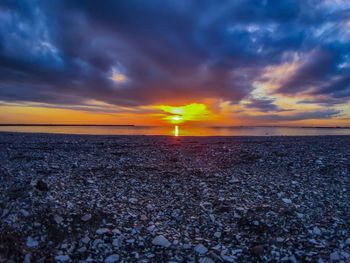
31 243
280 239
62 258
293 259
334 256
217 234
85 240
82 249
161 241
345 255
116 242
317 231
187 246
206 260
133 200
225 257
347 242
86 217
112 258
24 213
234 180
27 258
286 200
151 228
58 219
201 249
102 231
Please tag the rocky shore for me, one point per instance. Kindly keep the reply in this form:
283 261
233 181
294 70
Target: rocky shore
71 198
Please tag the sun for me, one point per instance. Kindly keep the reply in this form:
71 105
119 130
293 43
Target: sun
181 114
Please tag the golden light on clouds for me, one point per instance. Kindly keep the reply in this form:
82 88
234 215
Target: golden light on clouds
117 76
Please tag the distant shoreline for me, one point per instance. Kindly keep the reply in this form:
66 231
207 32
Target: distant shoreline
267 126
69 125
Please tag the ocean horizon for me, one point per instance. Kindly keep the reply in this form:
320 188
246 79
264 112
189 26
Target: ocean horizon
177 130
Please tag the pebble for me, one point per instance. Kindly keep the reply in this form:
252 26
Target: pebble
217 234
58 219
316 231
234 180
161 241
286 200
116 242
334 256
200 249
151 228
206 260
279 239
31 243
187 246
62 258
27 258
102 231
112 258
86 217
85 240
347 242
133 200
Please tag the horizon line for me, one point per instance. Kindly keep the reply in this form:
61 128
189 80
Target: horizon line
133 125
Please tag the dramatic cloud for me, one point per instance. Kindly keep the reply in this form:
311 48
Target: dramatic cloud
312 115
263 105
137 53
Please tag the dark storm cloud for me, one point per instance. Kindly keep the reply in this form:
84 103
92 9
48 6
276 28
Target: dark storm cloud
64 52
326 73
311 115
264 105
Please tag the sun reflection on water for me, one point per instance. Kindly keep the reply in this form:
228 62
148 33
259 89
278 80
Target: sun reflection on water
176 131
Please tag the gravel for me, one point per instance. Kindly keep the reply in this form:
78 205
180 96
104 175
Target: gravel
72 198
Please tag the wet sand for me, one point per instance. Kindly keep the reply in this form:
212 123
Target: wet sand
71 198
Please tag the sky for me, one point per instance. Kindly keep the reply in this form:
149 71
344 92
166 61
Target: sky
159 62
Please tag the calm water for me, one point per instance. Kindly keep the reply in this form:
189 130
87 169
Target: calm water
180 131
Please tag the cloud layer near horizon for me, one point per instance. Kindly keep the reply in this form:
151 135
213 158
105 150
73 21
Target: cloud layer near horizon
257 54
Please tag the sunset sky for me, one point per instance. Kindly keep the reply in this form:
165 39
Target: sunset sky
162 62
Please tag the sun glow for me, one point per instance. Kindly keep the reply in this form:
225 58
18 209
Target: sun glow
181 114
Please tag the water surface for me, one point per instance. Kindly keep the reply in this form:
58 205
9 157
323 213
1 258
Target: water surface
180 131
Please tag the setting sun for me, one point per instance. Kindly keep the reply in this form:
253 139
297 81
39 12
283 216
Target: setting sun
181 114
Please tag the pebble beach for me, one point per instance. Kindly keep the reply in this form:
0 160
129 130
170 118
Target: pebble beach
79 198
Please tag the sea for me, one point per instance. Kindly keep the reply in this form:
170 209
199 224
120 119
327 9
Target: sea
179 130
